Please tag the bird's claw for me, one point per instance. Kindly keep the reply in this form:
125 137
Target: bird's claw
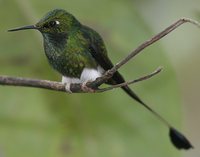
67 88
85 88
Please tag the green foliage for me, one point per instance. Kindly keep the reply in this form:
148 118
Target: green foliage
40 123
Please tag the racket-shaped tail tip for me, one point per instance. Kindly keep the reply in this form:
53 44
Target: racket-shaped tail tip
179 140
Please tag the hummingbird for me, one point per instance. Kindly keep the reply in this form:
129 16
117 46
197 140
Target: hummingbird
79 54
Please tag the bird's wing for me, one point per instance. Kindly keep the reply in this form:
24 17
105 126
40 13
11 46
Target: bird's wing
105 63
99 53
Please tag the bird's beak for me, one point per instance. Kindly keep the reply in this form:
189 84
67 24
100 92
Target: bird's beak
23 28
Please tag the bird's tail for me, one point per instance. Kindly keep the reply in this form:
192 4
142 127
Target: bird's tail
132 94
177 138
135 97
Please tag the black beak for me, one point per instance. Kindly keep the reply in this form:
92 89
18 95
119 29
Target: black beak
23 28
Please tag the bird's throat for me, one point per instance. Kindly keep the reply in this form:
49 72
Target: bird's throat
54 46
55 41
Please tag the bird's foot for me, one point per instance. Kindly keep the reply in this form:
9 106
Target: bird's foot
67 87
85 88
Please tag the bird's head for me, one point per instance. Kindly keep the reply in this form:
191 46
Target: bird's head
54 22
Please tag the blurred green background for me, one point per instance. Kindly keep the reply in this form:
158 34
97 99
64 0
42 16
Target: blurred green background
41 123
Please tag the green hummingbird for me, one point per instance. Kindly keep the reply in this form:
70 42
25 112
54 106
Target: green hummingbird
78 53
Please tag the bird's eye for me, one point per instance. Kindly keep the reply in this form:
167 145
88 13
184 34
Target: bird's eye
53 23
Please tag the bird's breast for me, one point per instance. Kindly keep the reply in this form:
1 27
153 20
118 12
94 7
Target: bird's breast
70 58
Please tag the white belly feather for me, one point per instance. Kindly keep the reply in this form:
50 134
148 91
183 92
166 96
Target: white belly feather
87 75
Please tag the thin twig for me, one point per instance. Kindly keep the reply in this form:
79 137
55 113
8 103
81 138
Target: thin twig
132 81
145 44
58 86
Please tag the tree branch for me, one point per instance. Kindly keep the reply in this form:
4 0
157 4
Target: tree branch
58 86
77 88
145 44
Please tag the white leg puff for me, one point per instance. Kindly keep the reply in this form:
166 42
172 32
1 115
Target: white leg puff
67 82
87 75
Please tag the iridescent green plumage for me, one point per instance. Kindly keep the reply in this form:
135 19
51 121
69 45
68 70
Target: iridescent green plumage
72 47
65 45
